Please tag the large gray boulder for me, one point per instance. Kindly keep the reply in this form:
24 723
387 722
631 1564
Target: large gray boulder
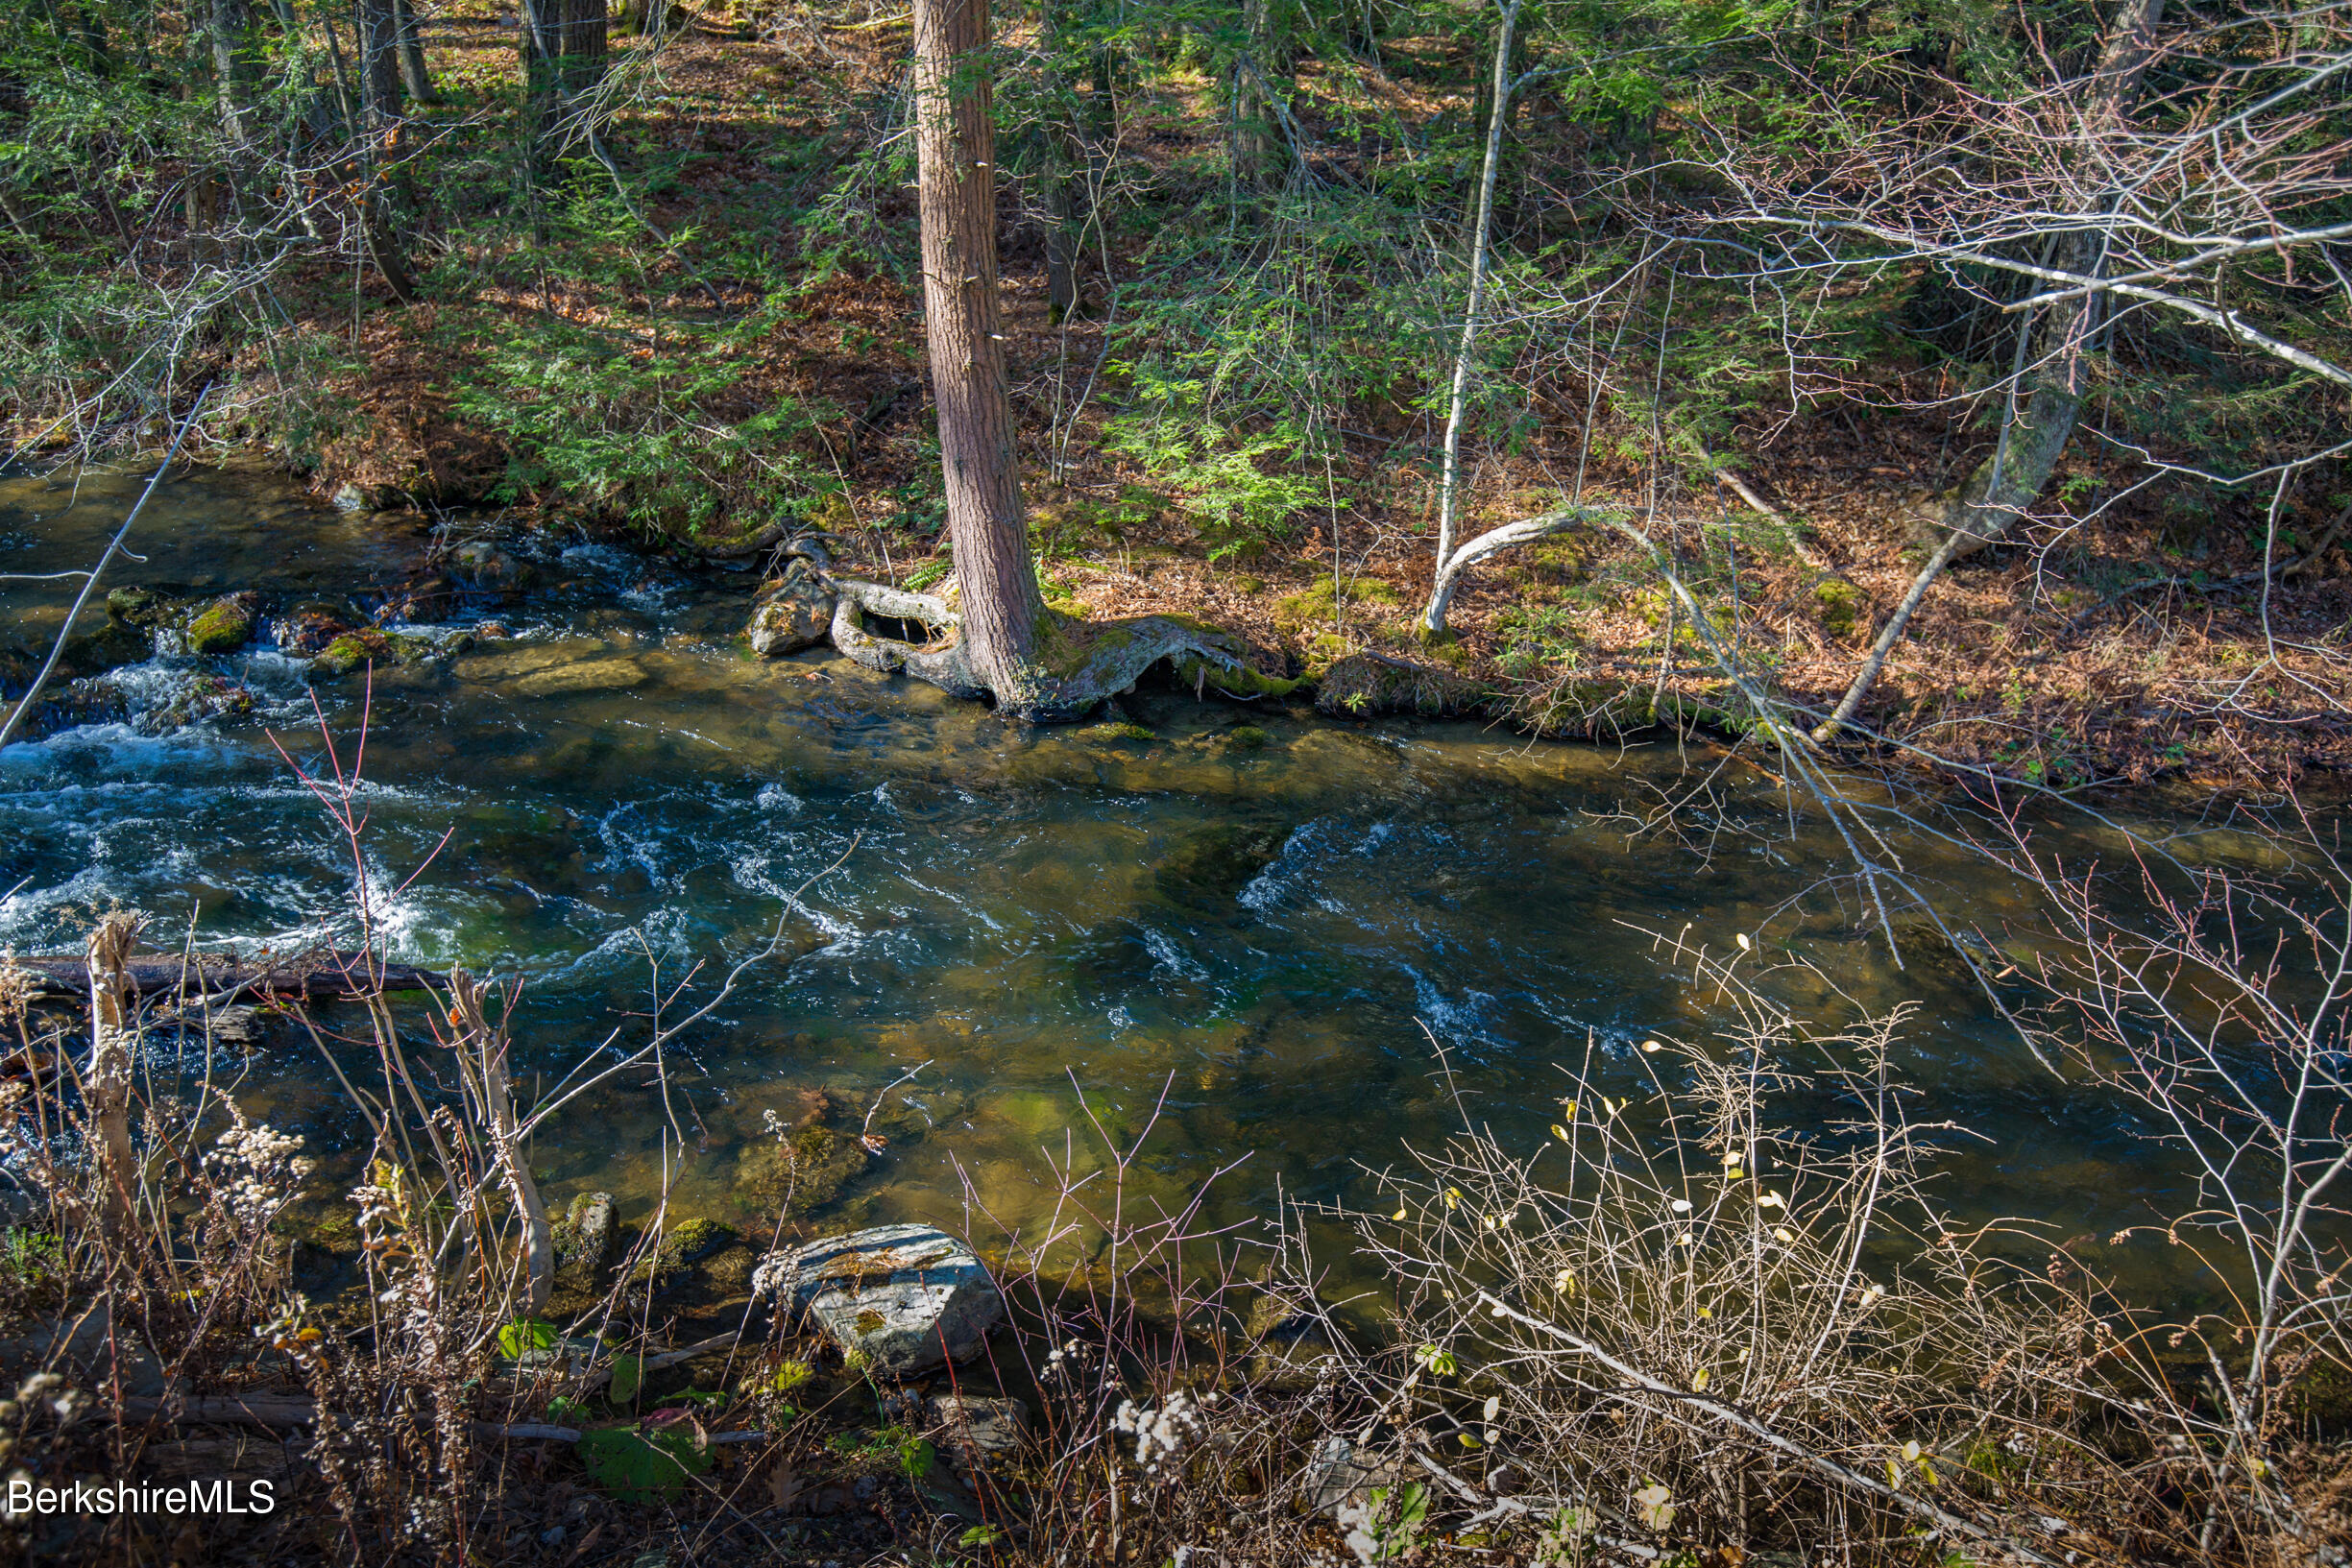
896 1298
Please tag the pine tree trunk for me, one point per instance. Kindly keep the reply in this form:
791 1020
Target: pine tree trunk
955 154
1259 148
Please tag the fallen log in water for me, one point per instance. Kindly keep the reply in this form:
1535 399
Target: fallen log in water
321 975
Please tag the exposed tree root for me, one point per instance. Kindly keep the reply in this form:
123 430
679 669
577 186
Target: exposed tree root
1081 663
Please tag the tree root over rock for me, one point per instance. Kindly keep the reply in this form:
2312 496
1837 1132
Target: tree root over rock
1080 663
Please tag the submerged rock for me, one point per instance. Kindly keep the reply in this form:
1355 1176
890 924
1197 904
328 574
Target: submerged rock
368 646
807 1150
489 569
146 607
1289 1350
896 1298
684 1244
426 602
795 614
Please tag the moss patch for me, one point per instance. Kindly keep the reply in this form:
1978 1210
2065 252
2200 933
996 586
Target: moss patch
347 652
1320 605
1361 684
223 626
1838 606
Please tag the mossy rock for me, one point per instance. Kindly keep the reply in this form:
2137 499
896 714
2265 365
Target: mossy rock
144 607
348 652
727 1273
584 1241
807 1167
1839 606
1117 732
308 627
213 696
1361 685
423 648
1249 737
695 1240
223 626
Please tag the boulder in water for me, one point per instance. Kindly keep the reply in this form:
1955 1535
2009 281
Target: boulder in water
311 626
347 652
896 1300
795 614
223 626
207 696
146 607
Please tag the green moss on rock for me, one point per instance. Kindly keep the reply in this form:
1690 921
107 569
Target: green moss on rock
347 652
1361 685
695 1240
223 626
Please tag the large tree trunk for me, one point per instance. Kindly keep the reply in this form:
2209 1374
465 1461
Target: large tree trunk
2048 389
997 639
955 156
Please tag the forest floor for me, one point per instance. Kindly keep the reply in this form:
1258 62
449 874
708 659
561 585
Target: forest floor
2114 646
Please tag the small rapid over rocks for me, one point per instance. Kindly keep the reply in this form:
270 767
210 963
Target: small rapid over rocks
1297 941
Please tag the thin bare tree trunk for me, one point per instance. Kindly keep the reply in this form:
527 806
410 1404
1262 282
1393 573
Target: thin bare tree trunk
107 1087
1450 484
415 76
2047 397
383 211
489 1042
955 154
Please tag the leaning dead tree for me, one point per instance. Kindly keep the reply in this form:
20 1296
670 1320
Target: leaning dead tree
2189 178
993 634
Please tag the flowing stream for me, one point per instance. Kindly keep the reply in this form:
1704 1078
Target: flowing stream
1313 939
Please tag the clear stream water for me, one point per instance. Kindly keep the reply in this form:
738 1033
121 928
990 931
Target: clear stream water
1280 936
